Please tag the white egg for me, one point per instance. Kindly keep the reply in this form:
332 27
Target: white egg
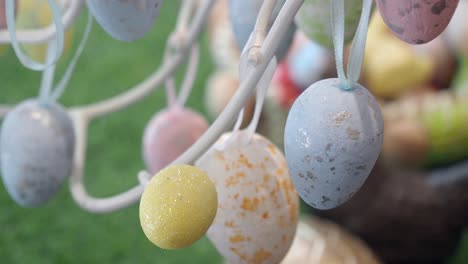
125 20
314 19
257 204
37 143
332 140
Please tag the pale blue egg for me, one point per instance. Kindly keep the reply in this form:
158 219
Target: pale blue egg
308 64
332 140
125 20
36 151
243 15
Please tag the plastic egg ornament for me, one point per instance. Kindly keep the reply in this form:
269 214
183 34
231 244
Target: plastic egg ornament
243 15
36 151
332 140
125 20
314 19
178 206
417 21
170 133
257 204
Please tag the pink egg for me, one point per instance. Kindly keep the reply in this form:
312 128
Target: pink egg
257 203
168 134
417 21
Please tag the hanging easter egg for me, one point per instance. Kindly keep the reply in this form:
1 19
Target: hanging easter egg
457 30
332 140
169 134
36 151
386 56
177 206
125 20
34 14
257 203
283 89
418 21
308 64
220 88
243 15
314 19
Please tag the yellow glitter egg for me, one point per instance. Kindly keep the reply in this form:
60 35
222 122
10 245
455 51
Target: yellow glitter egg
178 206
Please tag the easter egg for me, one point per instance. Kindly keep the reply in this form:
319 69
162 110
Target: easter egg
125 20
177 206
418 21
257 204
308 64
386 56
37 143
457 30
332 140
243 15
33 14
314 19
283 88
170 133
220 88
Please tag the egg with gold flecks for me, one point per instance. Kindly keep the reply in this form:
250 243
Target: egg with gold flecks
125 20
37 142
315 20
417 21
332 141
257 204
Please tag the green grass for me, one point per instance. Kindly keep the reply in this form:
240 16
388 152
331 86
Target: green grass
61 232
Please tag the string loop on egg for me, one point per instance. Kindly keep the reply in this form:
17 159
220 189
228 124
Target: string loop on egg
46 94
59 37
358 45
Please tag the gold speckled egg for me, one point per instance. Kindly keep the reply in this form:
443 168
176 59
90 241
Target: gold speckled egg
258 205
178 206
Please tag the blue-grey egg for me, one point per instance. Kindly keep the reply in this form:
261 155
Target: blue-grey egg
332 141
315 20
243 15
125 20
37 142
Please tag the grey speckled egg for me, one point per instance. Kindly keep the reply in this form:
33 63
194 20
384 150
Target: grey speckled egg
332 140
36 151
314 19
243 15
125 20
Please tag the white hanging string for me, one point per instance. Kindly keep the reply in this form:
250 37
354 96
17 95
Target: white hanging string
60 88
358 45
59 37
190 75
46 94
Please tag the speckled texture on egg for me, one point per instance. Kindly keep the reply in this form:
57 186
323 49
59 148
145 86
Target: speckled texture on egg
417 21
168 134
332 141
36 151
258 206
125 20
243 15
178 206
314 19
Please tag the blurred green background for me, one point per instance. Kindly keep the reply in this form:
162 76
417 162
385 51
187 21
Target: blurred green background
61 232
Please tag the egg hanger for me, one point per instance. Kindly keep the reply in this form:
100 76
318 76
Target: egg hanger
46 93
56 49
82 115
358 44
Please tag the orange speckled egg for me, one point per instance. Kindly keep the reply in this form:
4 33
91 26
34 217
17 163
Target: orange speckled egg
257 204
